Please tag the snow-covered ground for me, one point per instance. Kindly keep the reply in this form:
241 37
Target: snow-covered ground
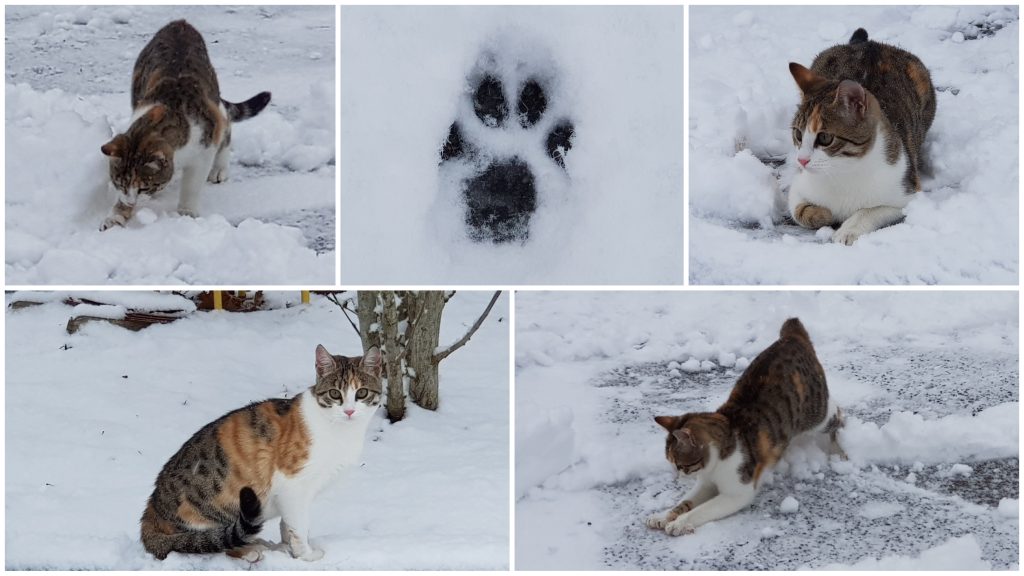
68 70
928 381
92 417
618 219
962 229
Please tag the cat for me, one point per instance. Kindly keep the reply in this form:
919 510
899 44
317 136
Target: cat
179 119
780 395
862 120
262 461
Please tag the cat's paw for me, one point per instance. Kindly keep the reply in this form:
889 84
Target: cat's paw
112 221
218 175
678 527
190 212
657 521
847 234
812 216
311 554
508 140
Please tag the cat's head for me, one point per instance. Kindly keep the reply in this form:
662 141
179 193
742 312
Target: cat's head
835 124
141 161
689 441
349 388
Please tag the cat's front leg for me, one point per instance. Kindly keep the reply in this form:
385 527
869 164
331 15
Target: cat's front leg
864 221
121 212
718 507
295 534
701 492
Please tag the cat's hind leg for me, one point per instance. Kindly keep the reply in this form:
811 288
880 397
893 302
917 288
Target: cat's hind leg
722 505
700 493
811 216
193 178
219 171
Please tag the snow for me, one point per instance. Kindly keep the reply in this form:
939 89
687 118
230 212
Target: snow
136 301
67 89
1009 507
789 505
962 229
593 368
92 417
616 73
962 553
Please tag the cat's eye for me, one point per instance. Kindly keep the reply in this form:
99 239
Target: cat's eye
798 135
335 394
361 393
824 139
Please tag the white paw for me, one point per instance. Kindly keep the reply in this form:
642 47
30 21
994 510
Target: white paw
190 212
217 175
111 221
678 527
656 521
848 233
253 555
311 554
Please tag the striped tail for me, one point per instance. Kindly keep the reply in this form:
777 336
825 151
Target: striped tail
219 539
247 109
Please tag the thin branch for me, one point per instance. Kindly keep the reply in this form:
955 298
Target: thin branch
333 297
462 341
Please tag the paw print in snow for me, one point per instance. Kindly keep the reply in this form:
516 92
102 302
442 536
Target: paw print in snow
506 137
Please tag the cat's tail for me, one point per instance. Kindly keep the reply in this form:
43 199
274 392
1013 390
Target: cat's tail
247 109
793 328
859 36
160 537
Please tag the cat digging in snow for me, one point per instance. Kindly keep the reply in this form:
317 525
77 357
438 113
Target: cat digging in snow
780 395
179 121
862 120
262 461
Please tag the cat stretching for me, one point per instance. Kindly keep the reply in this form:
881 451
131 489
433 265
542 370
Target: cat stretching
178 119
266 460
865 110
780 395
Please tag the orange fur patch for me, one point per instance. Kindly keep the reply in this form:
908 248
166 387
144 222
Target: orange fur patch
814 121
219 121
919 76
188 513
767 454
801 388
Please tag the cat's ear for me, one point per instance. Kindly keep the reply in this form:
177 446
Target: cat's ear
325 363
853 98
807 81
684 436
371 361
115 148
668 422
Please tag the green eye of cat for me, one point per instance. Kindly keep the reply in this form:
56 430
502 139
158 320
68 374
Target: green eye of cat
335 394
798 135
824 139
361 393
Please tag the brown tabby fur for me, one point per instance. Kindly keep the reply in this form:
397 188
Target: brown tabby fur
780 395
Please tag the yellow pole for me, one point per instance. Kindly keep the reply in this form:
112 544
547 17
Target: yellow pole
305 296
241 294
218 300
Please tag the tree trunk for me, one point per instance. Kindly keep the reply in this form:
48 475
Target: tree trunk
392 357
366 304
424 332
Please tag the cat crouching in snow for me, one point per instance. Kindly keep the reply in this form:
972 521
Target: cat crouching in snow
262 461
780 395
179 121
862 120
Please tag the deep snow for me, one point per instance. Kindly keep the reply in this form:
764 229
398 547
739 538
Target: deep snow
92 417
962 229
618 74
928 381
68 71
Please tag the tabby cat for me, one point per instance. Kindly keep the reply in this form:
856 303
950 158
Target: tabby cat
780 395
266 460
178 116
865 110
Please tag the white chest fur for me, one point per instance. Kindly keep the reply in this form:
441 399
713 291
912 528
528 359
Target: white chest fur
845 185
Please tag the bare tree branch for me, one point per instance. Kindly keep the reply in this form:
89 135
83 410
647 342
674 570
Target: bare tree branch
476 326
333 297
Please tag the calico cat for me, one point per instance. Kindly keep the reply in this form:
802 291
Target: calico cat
858 132
179 119
780 395
266 460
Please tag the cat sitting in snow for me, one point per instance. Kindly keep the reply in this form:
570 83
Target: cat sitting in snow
865 110
179 117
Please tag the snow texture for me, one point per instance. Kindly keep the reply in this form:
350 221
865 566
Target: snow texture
92 417
928 382
962 229
68 71
613 216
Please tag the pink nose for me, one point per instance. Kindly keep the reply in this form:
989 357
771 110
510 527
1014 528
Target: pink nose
803 161
349 412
